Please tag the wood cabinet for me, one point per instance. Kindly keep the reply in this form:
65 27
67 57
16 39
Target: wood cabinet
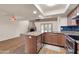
54 38
77 48
31 44
39 43
50 38
61 40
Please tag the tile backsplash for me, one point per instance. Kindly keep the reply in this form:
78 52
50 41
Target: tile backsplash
69 28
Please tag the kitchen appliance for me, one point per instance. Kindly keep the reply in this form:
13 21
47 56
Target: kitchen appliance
71 45
77 19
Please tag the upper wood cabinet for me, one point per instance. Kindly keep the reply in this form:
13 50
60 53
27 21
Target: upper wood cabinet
61 40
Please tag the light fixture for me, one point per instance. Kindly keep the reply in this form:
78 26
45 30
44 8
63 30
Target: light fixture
34 12
50 4
12 18
40 16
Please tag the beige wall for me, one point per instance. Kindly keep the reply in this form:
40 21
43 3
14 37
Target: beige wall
54 25
9 29
61 21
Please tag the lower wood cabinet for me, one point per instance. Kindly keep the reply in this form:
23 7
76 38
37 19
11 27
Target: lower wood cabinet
33 44
77 48
61 40
54 38
39 43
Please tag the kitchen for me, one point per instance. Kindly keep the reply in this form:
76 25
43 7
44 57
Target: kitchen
52 28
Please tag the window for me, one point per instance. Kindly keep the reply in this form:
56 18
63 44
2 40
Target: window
46 27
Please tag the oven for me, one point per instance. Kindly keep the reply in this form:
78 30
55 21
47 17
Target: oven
70 45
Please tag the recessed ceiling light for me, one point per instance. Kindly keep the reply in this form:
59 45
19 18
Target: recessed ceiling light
40 16
34 12
50 4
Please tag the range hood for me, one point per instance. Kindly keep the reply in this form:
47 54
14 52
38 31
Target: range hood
31 27
76 17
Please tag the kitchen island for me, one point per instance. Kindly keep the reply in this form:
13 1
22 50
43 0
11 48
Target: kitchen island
35 41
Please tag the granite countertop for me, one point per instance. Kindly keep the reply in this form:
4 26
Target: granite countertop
77 41
38 33
32 33
71 32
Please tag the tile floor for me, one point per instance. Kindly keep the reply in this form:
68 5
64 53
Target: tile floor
50 49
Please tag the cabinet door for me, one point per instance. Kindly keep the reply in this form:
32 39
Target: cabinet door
51 38
54 38
31 45
61 40
77 48
39 43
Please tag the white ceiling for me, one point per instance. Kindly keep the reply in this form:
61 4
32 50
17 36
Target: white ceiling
25 11
21 11
55 10
46 8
